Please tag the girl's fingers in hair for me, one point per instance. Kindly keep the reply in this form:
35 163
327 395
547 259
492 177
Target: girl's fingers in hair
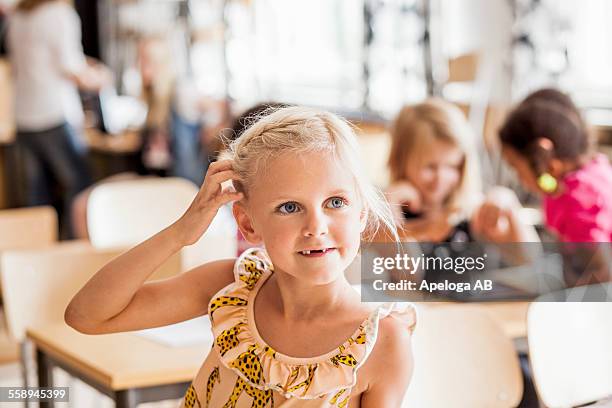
224 175
218 166
227 188
221 164
227 197
213 187
213 183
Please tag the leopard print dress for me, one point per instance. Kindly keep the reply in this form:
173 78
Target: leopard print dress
242 371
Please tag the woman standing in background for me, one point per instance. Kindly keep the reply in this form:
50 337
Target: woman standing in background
48 65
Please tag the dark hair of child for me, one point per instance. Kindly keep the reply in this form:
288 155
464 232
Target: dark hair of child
547 114
552 95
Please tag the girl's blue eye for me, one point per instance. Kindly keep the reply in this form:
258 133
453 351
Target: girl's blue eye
336 202
288 208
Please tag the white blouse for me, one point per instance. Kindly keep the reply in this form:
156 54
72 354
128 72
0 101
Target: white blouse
44 47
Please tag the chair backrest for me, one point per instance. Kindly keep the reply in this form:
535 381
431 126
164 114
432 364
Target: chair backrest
37 285
570 349
27 227
462 360
124 213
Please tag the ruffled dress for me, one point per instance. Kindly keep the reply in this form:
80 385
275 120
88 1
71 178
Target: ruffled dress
243 371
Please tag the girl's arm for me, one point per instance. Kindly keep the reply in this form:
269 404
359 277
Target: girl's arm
117 298
392 366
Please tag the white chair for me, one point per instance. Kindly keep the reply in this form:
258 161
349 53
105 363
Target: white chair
570 349
27 227
462 360
38 284
125 213
22 228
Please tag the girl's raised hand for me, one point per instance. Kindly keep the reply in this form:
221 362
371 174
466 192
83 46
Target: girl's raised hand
205 205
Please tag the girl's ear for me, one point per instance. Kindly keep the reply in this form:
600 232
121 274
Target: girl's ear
542 153
245 224
545 144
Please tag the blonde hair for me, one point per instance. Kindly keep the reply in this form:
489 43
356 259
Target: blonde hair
435 119
298 130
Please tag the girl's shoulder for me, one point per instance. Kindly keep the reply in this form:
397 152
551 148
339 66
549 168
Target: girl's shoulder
250 266
389 322
389 368
249 271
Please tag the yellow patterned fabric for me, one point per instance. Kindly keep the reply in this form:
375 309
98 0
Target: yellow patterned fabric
243 371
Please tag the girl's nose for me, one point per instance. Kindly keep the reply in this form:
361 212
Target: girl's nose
316 224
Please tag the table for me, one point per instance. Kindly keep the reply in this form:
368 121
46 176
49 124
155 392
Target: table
126 367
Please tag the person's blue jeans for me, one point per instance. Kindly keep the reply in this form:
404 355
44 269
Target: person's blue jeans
190 158
53 163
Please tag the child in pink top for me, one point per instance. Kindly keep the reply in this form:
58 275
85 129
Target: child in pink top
547 142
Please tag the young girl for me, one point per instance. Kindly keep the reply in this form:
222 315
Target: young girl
435 189
548 144
289 330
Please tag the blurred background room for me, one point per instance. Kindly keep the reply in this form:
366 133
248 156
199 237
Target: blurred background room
160 84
